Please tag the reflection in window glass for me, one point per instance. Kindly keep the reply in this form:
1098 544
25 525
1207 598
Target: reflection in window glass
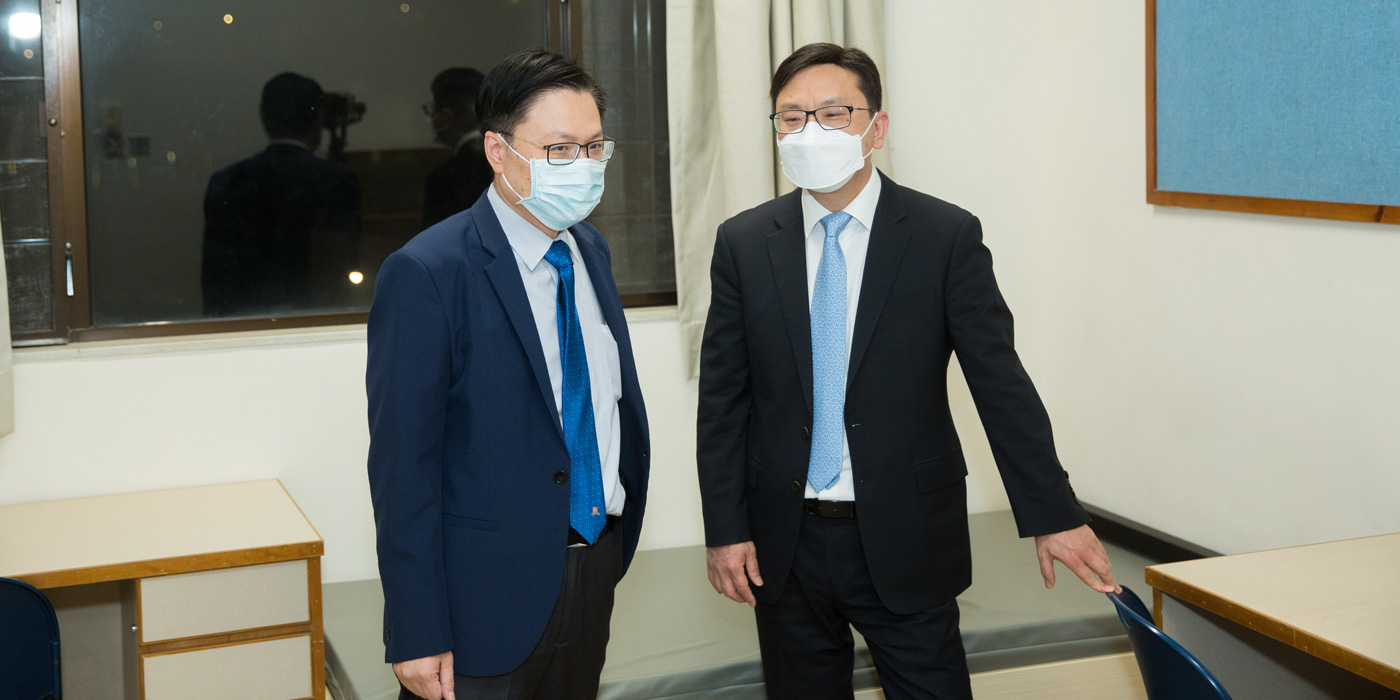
24 169
261 157
624 45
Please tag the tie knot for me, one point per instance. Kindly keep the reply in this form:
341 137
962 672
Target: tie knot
834 222
558 255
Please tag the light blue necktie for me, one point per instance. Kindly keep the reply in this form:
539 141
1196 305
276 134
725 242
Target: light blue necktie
587 509
828 357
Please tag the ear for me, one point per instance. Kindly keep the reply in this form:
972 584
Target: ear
496 151
878 131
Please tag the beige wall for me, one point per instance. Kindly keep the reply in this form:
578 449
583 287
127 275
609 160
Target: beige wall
1227 378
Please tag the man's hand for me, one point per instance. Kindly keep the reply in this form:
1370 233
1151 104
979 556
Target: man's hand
1079 550
429 678
731 567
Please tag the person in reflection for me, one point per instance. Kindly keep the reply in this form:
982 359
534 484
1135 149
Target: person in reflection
830 470
459 181
508 455
281 229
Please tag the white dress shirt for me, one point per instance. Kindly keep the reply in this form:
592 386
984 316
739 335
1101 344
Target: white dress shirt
604 367
854 241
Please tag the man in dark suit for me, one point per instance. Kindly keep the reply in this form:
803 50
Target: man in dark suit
827 454
457 182
508 455
281 229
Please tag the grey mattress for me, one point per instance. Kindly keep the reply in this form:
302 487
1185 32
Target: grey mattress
673 637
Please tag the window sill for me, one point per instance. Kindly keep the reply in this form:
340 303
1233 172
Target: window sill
248 339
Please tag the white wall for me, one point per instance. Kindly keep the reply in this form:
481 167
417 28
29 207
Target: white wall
1227 378
961 91
116 419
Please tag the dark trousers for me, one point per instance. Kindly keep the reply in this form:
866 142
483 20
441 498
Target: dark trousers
569 658
805 637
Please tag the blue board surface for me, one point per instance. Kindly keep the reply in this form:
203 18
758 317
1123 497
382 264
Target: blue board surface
1288 99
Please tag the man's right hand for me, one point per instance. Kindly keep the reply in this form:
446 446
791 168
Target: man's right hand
429 678
731 567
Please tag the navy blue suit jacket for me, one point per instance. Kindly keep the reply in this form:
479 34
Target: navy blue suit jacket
466 446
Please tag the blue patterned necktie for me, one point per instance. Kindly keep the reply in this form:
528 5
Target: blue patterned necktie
587 509
828 357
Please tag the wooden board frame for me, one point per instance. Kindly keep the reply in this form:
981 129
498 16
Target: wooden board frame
1255 205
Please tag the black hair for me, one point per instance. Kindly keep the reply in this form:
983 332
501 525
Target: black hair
456 89
291 105
512 87
850 58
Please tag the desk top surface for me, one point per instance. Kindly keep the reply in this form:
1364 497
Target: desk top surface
1337 600
152 533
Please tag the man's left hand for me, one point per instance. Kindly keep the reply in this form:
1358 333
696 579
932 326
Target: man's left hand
1079 550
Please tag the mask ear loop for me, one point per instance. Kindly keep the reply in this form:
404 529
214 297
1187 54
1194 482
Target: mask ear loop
862 137
519 199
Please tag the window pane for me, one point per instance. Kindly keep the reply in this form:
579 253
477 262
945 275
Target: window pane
22 119
24 169
624 43
204 200
30 276
24 200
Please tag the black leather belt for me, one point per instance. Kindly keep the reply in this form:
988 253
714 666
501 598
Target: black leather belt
830 509
576 540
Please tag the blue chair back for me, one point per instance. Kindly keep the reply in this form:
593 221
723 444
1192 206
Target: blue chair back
1168 670
28 643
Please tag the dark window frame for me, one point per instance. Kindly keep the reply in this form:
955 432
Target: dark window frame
68 190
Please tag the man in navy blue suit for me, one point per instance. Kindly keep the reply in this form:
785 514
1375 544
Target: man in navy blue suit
509 451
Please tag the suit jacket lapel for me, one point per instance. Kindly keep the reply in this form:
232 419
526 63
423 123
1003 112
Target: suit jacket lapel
787 254
504 274
888 239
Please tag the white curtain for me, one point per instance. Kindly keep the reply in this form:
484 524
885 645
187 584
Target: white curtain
720 57
7 384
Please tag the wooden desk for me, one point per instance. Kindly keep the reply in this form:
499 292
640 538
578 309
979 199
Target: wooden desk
1318 621
217 588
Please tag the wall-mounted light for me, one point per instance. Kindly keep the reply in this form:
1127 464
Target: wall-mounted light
356 277
26 25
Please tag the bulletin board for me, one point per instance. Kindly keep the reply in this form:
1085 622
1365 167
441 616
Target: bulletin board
1288 107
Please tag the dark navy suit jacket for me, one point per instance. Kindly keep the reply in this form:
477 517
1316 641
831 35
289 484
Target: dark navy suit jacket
466 448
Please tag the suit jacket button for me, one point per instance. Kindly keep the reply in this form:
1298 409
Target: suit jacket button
797 487
560 477
806 433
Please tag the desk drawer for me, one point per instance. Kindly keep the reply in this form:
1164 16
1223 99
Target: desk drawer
277 669
223 600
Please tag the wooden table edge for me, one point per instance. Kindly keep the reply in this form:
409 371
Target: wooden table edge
164 566
1275 629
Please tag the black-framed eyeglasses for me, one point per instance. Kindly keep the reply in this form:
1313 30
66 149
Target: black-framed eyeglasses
567 152
831 118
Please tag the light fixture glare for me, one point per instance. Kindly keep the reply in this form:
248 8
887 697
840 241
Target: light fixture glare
26 26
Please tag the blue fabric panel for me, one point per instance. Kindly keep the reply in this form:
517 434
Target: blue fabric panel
1291 99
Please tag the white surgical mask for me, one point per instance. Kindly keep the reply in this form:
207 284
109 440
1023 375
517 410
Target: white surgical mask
561 195
822 160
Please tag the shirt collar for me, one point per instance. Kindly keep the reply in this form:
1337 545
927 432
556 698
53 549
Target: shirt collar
527 241
862 208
